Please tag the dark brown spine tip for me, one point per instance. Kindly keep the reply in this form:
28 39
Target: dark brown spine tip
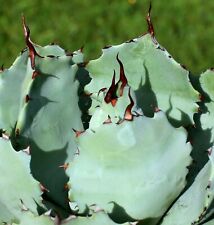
137 114
111 96
77 132
108 96
108 121
119 121
107 46
23 207
201 97
23 50
83 64
35 74
66 187
87 94
69 54
183 66
101 90
149 22
64 166
27 98
130 41
128 112
27 150
198 110
123 78
209 185
32 51
43 188
161 48
156 109
209 151
114 102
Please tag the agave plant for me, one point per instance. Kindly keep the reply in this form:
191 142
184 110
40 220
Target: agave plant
123 139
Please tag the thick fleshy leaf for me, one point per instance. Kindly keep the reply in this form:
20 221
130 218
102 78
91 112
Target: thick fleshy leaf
47 120
146 158
14 82
191 207
99 218
43 118
51 50
211 222
29 218
11 85
18 188
207 84
158 80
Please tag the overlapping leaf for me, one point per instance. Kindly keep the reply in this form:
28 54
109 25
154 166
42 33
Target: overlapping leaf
158 80
19 190
135 157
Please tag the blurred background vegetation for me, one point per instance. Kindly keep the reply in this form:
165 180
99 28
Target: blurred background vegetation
184 28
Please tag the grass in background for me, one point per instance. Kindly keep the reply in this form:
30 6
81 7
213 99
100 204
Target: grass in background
184 28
